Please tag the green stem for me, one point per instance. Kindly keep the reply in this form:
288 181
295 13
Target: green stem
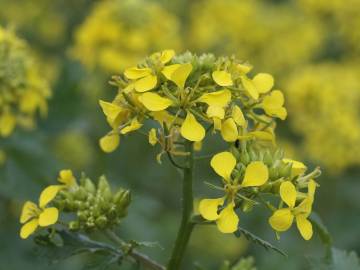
186 225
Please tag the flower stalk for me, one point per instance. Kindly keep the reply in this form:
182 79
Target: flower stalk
186 225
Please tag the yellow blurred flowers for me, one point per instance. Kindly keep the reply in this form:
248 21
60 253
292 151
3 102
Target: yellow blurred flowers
117 33
23 90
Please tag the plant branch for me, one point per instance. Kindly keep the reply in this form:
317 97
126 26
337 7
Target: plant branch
136 255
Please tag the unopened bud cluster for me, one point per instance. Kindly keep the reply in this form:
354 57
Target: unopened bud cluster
95 206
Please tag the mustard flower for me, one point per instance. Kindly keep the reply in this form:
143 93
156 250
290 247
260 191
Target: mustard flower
282 219
33 215
256 174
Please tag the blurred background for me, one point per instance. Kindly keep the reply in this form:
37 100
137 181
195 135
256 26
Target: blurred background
312 47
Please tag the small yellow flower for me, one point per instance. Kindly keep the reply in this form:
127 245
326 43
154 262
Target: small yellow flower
178 73
273 105
33 216
297 168
144 78
282 219
256 174
260 84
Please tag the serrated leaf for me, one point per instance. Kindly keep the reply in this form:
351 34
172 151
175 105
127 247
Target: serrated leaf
321 229
257 240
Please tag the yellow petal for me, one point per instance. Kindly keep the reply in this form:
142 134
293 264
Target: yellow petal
180 75
166 56
152 136
66 177
134 125
305 207
169 70
288 193
48 217
191 129
223 164
297 167
304 226
222 78
215 111
250 87
110 110
256 174
208 208
219 98
263 82
134 73
145 84
109 142
7 124
29 211
229 130
228 220
154 102
29 228
48 194
281 220
238 116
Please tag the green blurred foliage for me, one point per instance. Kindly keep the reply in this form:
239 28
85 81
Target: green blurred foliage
311 45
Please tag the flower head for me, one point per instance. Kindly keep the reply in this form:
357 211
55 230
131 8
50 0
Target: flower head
256 174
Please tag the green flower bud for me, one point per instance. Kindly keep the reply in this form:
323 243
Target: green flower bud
80 194
101 222
74 225
89 186
104 188
285 170
245 158
268 160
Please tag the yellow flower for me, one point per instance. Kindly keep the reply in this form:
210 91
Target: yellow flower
144 78
282 219
178 73
256 174
191 129
273 105
33 216
260 84
297 168
217 102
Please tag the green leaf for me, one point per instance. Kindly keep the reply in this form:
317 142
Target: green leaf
135 244
66 244
252 237
340 260
321 229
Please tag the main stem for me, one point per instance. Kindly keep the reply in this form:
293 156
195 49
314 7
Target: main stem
186 225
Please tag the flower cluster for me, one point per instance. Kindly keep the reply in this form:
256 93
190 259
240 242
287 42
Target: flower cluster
23 91
94 207
117 33
190 95
246 182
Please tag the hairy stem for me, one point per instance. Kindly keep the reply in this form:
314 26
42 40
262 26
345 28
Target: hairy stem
186 225
136 255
